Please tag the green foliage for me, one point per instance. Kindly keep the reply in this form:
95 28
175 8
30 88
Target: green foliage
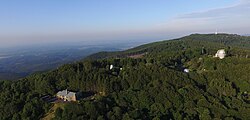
151 87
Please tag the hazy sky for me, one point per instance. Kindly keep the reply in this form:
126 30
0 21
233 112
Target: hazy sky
24 22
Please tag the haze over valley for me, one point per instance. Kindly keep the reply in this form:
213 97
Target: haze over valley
19 62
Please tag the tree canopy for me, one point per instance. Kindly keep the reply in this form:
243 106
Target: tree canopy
153 86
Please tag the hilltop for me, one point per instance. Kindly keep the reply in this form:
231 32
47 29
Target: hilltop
145 82
210 41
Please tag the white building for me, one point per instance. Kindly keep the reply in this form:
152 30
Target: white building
111 67
66 95
186 70
220 54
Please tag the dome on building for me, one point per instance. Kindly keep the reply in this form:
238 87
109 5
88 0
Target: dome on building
221 54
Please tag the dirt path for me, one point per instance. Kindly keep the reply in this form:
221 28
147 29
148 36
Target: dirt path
50 114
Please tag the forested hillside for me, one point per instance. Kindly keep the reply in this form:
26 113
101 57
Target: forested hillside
151 85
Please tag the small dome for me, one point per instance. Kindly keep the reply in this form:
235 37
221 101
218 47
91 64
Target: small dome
220 53
186 70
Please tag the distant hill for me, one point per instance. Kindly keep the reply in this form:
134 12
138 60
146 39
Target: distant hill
206 40
246 35
145 82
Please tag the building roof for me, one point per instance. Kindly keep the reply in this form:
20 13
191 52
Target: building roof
70 94
66 93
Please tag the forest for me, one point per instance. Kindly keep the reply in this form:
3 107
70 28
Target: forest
153 86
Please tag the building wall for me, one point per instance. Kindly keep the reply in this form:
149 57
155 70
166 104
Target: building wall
73 98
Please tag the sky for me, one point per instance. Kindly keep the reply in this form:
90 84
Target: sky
30 22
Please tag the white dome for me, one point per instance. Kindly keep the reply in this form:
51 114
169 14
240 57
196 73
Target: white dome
221 51
221 54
